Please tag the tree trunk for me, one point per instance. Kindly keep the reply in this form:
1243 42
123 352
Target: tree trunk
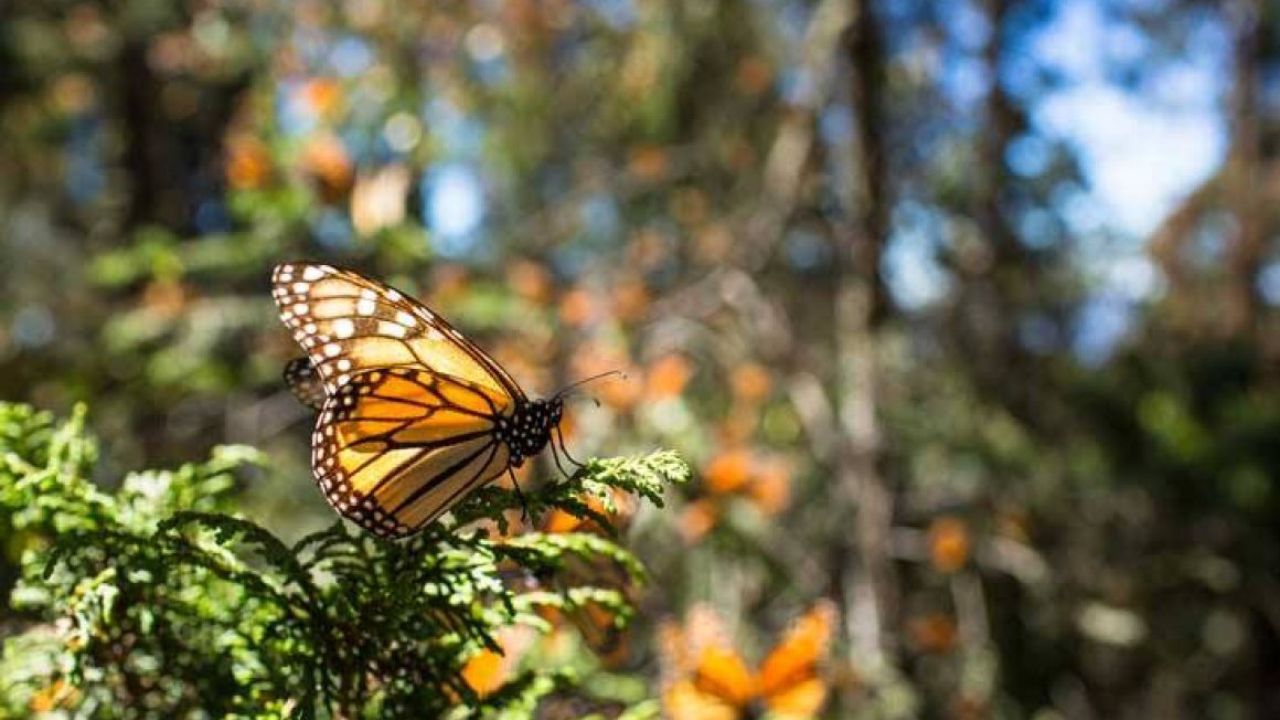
1244 179
138 93
864 573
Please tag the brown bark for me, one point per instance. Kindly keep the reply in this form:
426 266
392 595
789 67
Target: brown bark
1245 254
1001 124
999 277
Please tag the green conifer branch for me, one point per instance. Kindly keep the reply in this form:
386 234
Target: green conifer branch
157 598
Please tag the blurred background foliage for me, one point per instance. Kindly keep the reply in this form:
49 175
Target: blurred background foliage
966 311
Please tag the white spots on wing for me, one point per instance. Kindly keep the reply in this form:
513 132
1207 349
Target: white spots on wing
313 272
286 316
344 328
332 349
309 328
343 378
434 334
368 294
365 306
300 309
392 329
394 295
300 287
405 319
344 365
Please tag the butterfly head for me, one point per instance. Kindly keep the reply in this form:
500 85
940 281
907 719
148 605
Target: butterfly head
528 429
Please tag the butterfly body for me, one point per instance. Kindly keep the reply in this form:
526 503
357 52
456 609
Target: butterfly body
414 416
528 430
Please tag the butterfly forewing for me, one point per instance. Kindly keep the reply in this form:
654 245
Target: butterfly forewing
789 676
348 324
394 449
722 672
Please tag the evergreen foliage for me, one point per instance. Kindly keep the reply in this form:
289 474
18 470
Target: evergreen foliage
156 600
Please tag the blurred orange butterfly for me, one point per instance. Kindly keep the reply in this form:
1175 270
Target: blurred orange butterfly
764 480
615 519
706 679
600 629
413 416
488 670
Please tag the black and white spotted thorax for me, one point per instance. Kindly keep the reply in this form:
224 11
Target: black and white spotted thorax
527 430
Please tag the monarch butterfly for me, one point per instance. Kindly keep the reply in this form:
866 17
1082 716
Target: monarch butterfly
708 680
412 415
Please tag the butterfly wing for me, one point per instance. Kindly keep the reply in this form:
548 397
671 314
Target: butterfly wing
789 679
684 701
394 449
703 679
721 687
349 324
723 673
304 382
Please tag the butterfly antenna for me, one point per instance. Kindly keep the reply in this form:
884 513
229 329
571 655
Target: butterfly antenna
567 389
524 505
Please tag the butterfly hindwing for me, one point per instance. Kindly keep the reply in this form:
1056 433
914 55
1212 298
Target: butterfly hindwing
348 324
394 449
684 701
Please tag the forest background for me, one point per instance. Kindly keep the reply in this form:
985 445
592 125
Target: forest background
965 312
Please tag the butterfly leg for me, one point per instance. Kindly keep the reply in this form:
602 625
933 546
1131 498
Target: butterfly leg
556 456
565 448
524 505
